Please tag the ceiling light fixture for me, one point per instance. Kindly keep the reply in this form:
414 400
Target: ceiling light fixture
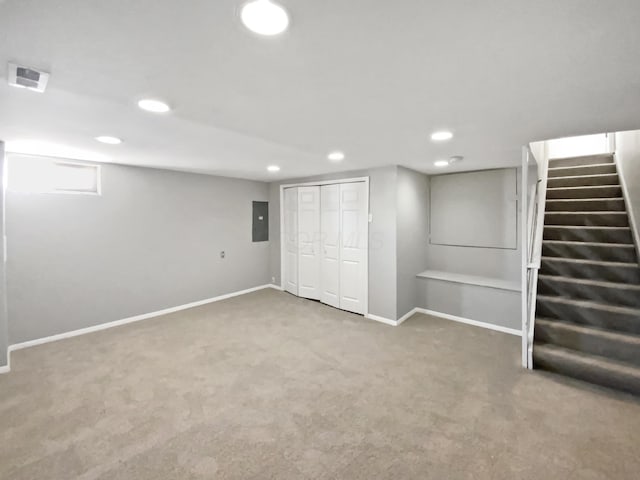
441 136
264 17
154 106
441 163
336 156
273 168
109 140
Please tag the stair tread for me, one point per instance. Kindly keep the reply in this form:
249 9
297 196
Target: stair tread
602 212
581 186
589 227
591 244
594 175
595 155
591 304
580 328
584 281
596 262
595 199
579 166
588 359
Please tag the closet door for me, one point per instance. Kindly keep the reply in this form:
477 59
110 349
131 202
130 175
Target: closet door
354 247
330 245
309 242
291 240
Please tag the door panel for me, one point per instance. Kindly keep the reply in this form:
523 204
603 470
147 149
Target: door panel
353 247
330 245
291 240
309 242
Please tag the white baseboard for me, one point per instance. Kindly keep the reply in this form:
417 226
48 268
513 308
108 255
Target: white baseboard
406 316
393 323
124 321
468 321
137 318
380 319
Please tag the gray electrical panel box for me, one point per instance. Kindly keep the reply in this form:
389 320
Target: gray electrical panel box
260 229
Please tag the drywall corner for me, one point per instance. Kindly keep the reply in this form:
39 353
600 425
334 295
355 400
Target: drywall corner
412 227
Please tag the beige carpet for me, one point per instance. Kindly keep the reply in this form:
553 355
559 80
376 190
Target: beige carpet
270 386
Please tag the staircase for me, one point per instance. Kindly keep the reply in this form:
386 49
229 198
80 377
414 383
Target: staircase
588 305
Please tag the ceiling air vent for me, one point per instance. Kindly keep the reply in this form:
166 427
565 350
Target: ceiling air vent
25 77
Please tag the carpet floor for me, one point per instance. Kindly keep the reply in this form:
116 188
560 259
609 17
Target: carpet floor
269 386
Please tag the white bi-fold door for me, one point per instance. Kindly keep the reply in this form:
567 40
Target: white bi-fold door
330 245
290 240
309 242
354 247
326 244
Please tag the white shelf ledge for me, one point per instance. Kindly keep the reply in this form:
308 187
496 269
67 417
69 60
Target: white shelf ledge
471 280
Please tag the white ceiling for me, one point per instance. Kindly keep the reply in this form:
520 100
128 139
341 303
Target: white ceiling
371 77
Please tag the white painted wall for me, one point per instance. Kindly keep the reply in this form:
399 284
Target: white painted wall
578 146
628 161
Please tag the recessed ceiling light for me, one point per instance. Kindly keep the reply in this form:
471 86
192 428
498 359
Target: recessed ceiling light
441 163
441 136
264 17
273 168
336 156
155 106
109 140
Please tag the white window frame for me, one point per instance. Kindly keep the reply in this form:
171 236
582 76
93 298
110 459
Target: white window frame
98 168
62 161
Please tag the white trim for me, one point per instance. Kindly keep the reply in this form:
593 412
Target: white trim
407 316
6 368
368 207
524 246
282 238
276 287
627 201
476 323
388 321
325 182
384 320
137 318
476 280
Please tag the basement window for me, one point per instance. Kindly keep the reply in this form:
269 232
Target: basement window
46 175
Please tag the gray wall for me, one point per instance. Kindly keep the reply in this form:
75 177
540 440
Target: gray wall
483 304
382 234
490 305
151 241
4 329
458 218
628 159
413 236
482 261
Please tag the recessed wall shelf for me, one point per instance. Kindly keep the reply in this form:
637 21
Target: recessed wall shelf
478 280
